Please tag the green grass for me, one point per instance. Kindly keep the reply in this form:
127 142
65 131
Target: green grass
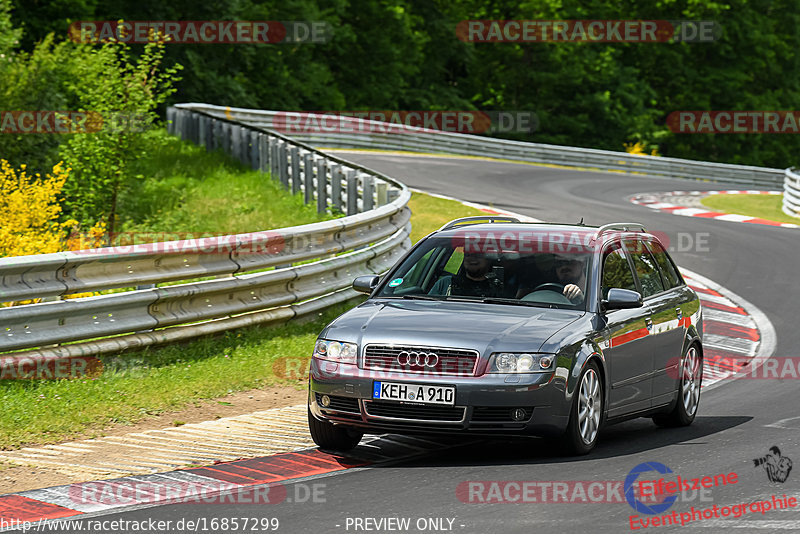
430 213
137 384
183 188
763 206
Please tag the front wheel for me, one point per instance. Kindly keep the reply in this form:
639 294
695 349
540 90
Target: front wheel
586 414
685 409
332 437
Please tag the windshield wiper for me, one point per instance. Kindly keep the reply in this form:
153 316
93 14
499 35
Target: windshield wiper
423 297
517 302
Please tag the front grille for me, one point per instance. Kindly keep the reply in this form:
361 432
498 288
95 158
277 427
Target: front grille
452 362
498 414
415 412
339 404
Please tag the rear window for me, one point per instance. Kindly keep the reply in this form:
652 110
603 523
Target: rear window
646 268
668 270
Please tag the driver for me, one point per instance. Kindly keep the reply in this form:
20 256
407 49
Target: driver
571 274
473 280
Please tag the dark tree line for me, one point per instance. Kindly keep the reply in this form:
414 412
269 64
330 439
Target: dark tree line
404 54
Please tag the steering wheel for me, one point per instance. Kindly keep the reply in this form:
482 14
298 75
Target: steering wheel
550 286
553 294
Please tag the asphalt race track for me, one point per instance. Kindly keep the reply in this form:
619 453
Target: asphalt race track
737 422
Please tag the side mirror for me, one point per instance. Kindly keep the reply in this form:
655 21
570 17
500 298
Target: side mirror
365 284
621 299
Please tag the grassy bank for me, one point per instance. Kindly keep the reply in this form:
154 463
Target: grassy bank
762 206
135 385
183 188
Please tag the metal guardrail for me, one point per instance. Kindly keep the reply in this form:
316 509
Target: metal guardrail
421 140
256 276
791 193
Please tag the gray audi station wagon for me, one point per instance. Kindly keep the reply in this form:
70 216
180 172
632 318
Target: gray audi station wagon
490 326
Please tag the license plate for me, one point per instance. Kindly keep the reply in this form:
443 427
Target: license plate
420 393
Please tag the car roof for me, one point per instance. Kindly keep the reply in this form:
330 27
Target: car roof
606 232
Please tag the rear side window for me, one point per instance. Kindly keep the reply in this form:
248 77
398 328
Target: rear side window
616 271
670 274
646 268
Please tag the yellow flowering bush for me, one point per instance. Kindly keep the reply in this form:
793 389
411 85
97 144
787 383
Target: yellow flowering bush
29 211
638 149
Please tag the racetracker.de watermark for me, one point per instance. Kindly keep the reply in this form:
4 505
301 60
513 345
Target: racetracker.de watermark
561 491
72 122
27 368
146 243
202 31
588 31
136 492
734 122
730 368
404 122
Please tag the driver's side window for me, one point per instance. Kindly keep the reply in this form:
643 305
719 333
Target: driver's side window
616 271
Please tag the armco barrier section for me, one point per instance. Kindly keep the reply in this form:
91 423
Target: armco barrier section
791 193
254 278
371 134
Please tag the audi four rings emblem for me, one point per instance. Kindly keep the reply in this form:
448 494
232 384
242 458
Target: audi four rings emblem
418 359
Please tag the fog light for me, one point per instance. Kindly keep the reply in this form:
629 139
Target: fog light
325 401
518 414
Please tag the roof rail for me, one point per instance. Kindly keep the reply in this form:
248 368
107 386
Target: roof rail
624 227
464 221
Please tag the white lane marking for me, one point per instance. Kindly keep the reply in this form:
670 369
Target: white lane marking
718 299
729 343
784 423
729 317
690 212
734 217
768 339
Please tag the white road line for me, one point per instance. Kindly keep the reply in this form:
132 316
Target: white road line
729 317
733 344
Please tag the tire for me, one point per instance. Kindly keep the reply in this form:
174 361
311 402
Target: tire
586 414
331 437
691 378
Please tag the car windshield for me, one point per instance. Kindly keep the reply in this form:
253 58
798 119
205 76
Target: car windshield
530 268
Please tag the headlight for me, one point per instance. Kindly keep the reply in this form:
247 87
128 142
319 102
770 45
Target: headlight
336 351
513 362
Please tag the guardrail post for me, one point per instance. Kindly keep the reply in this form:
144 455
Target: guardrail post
352 192
195 127
201 131
284 170
236 142
215 134
273 158
383 198
254 151
336 187
295 157
262 152
368 201
308 178
171 111
244 155
322 186
225 137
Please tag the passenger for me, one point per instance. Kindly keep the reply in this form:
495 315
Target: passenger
571 273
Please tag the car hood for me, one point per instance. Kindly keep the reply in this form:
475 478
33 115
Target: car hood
483 327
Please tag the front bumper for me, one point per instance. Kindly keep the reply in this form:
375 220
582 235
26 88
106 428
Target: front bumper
483 404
